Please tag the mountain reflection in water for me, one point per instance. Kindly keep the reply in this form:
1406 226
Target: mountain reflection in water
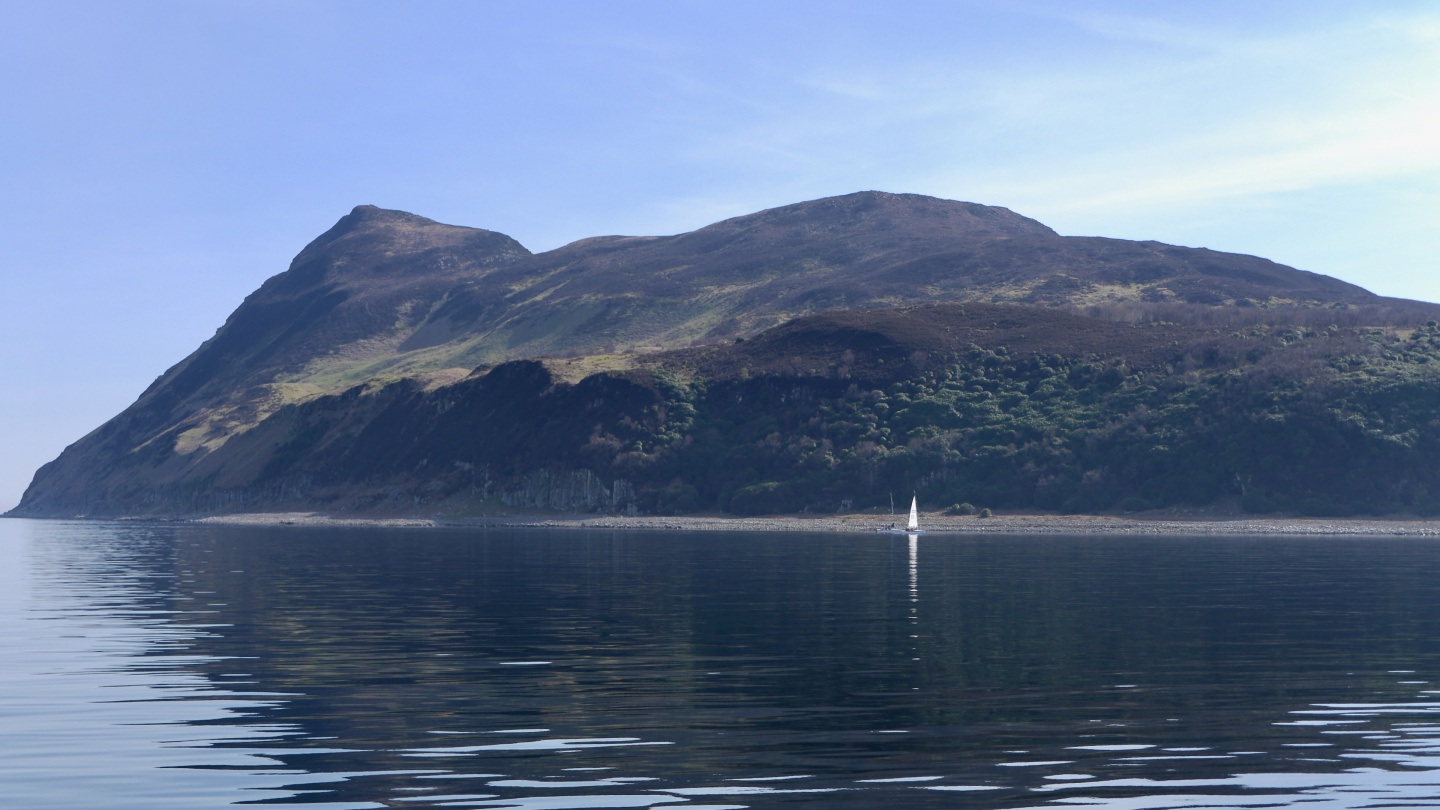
157 666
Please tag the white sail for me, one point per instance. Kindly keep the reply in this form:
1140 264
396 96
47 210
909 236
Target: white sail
914 517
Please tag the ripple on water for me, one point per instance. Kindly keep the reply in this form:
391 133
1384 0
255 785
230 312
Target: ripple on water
581 670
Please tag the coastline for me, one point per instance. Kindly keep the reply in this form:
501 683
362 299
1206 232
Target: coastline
864 524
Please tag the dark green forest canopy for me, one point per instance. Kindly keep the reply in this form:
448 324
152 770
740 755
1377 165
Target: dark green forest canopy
1324 421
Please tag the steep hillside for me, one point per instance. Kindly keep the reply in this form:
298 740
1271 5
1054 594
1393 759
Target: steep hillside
386 295
350 296
997 405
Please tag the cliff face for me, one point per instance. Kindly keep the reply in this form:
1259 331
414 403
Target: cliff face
386 296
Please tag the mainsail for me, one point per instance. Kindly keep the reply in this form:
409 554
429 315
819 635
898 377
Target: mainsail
914 517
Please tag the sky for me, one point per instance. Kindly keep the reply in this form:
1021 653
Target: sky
159 160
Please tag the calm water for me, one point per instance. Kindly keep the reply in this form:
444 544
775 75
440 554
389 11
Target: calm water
181 667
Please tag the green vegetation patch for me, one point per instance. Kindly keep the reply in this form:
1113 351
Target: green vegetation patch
1320 421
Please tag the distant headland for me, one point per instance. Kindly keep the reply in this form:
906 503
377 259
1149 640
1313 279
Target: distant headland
812 359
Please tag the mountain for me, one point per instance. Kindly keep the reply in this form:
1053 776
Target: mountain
858 251
1000 405
386 296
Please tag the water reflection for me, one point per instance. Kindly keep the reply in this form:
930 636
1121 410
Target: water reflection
529 670
914 570
1407 780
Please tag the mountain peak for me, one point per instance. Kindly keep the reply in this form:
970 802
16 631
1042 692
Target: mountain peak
883 210
371 218
375 215
369 235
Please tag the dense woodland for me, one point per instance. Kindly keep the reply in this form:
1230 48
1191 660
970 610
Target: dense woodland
1319 421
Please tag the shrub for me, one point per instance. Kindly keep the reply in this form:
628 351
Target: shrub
677 499
984 513
962 509
1319 507
1134 504
761 499
1256 503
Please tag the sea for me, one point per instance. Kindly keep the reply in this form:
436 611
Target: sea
155 666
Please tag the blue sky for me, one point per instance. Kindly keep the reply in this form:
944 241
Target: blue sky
160 160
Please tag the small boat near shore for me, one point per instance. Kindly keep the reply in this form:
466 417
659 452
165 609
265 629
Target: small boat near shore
911 527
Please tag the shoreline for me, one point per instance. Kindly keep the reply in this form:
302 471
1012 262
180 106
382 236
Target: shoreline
866 524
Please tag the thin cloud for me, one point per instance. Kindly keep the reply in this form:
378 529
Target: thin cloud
1381 121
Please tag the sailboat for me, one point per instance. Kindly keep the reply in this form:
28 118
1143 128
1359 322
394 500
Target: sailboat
912 527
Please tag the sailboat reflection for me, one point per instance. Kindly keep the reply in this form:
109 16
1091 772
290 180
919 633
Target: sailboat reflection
914 585
914 597
914 571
